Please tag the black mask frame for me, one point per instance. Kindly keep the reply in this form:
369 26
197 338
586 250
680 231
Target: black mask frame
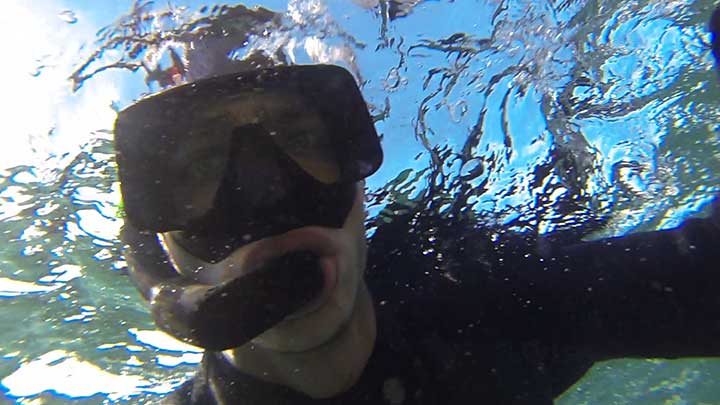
152 136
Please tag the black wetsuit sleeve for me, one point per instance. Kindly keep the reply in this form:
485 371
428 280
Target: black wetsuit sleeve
654 294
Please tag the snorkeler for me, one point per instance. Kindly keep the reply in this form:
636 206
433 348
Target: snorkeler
244 210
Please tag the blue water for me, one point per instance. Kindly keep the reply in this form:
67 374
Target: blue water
468 95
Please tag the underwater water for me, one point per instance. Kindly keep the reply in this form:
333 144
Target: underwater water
594 116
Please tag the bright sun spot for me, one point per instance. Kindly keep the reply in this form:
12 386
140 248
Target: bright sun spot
41 117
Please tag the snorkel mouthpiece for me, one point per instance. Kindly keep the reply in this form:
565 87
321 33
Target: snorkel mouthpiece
227 315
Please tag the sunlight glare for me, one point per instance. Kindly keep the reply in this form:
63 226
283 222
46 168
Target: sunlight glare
41 117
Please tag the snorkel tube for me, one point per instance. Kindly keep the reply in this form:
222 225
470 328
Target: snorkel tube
209 135
223 316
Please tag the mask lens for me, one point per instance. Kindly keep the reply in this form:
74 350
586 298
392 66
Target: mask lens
263 192
295 127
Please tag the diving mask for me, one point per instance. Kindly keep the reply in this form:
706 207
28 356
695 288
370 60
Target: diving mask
244 139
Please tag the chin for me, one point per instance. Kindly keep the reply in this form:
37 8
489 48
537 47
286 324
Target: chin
322 371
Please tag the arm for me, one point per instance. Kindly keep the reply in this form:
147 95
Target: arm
653 294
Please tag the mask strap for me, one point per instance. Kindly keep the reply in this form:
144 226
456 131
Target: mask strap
224 316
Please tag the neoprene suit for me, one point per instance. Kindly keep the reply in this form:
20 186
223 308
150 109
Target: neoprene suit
515 321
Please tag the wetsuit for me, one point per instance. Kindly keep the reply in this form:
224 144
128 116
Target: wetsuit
510 319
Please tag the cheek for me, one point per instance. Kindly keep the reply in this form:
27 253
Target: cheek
351 268
356 246
351 265
361 248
